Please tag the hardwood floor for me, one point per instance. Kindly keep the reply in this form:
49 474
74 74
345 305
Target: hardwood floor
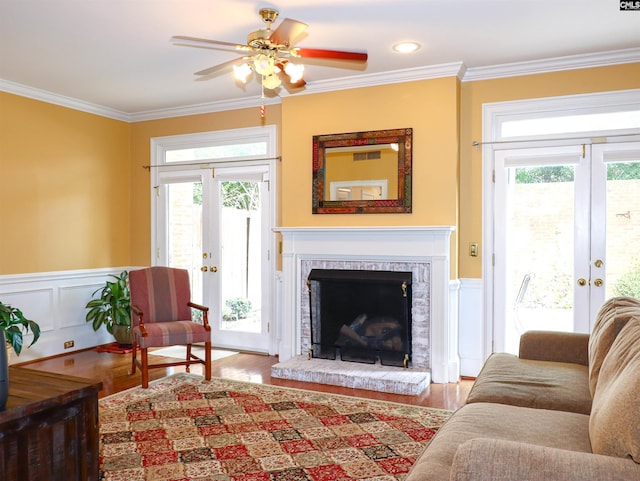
113 371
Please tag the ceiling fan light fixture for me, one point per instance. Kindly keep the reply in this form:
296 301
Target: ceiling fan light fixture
294 71
271 81
242 72
406 47
270 51
263 64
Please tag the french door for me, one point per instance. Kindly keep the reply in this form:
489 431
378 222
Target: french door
566 219
239 262
213 214
215 224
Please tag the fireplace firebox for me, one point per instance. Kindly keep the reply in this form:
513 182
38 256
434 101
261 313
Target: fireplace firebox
361 315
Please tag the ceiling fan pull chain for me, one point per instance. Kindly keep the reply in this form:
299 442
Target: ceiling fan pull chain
262 107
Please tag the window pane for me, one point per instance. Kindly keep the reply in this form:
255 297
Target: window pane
623 229
540 244
217 152
571 124
185 231
241 256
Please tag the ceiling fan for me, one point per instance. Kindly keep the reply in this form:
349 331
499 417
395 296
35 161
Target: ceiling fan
271 53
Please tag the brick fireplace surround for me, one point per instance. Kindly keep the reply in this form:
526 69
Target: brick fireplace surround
424 251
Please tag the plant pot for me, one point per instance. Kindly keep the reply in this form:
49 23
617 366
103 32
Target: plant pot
123 335
4 371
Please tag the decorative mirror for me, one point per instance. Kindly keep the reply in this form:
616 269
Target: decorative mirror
362 172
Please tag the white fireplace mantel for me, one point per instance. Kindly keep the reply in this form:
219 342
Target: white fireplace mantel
420 244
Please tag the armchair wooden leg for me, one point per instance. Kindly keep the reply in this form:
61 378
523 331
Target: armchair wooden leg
145 367
188 368
134 348
207 361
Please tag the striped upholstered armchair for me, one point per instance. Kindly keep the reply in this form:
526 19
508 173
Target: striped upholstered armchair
161 316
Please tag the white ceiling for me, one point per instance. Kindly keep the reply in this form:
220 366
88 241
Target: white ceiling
117 54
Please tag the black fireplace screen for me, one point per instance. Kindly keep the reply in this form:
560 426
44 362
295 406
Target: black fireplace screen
361 315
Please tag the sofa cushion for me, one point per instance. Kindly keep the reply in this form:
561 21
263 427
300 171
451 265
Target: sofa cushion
507 379
612 317
615 420
557 346
499 460
542 427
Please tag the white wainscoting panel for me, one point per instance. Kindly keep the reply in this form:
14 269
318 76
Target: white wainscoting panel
56 300
471 327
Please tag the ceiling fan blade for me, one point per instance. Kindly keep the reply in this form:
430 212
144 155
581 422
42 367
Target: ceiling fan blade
331 54
221 66
205 42
287 32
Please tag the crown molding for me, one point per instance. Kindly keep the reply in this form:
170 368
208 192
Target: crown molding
344 83
457 69
61 100
572 62
454 69
204 108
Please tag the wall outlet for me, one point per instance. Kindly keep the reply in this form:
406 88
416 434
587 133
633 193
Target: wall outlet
68 344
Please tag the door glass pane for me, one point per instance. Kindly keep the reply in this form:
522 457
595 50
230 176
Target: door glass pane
623 229
241 261
540 250
185 232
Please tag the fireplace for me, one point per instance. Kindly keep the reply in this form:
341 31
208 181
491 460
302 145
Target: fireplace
423 251
361 316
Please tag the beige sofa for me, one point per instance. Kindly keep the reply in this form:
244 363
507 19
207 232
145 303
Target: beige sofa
567 408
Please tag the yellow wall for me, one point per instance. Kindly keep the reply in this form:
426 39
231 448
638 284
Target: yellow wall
74 192
141 135
474 94
64 188
429 107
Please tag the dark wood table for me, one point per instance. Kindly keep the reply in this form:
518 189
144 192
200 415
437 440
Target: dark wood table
49 430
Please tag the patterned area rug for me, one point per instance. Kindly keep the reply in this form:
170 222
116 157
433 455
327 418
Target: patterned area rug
186 428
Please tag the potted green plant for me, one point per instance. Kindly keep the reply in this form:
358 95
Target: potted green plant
13 324
112 308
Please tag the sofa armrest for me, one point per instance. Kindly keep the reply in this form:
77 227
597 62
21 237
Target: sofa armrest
499 460
570 347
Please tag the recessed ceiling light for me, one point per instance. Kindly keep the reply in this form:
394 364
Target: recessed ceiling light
406 47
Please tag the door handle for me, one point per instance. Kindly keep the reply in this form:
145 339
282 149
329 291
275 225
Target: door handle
204 268
598 282
582 282
214 269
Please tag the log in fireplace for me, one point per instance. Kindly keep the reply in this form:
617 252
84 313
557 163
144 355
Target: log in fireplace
361 315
